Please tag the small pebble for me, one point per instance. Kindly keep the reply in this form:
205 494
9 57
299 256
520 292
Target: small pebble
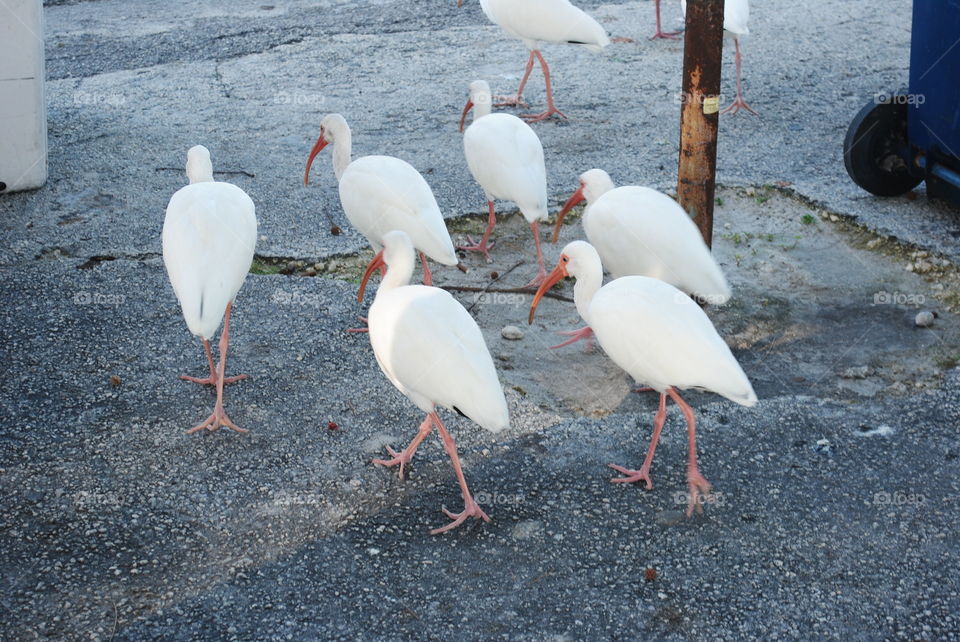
857 372
310 272
512 332
924 319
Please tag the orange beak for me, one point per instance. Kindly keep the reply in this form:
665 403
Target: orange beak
459 2
317 146
375 264
466 110
577 197
559 273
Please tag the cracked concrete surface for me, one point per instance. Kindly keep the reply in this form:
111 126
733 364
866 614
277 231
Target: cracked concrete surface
836 503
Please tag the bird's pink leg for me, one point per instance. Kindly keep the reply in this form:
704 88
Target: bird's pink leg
509 101
541 270
739 103
212 379
644 473
427 279
219 417
672 35
697 484
483 245
551 108
403 458
576 335
359 330
470 507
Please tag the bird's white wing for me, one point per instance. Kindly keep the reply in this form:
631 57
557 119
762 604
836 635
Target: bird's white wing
640 231
505 156
547 21
209 235
662 338
382 193
430 347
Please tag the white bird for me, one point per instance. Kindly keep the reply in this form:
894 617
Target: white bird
736 14
383 193
640 231
431 349
661 338
209 235
534 21
505 156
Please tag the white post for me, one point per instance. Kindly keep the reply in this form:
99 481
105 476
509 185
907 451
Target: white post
23 108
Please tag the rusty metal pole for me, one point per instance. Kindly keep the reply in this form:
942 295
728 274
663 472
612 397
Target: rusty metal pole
699 115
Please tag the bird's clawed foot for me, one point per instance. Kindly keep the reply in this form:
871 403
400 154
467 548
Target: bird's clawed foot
216 419
537 280
397 459
356 330
666 35
576 335
533 118
630 476
212 379
478 246
698 491
510 101
470 509
737 105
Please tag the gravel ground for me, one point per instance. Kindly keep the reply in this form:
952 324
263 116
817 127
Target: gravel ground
835 509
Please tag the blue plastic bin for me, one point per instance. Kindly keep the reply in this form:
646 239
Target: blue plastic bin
912 135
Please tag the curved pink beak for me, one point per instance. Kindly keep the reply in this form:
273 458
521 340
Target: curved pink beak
317 146
375 264
558 274
466 110
577 197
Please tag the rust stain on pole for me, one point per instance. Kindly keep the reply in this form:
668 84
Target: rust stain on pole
699 115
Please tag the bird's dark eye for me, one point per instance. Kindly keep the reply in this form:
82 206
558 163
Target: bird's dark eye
565 259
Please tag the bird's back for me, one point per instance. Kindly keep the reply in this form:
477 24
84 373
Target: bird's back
640 231
209 236
546 21
506 157
662 338
382 193
431 349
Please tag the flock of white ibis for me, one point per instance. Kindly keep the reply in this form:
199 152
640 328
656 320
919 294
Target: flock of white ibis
424 340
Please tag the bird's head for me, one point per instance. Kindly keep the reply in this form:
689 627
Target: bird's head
330 127
593 184
480 97
574 261
397 247
199 167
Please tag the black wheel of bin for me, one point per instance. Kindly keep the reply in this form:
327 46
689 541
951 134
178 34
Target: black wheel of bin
872 149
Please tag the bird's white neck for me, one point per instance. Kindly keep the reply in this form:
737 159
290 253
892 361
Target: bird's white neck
481 108
399 270
342 150
588 282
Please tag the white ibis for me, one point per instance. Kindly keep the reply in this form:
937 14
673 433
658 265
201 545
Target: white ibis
431 349
534 21
383 193
209 234
505 156
736 14
640 231
661 338
660 33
